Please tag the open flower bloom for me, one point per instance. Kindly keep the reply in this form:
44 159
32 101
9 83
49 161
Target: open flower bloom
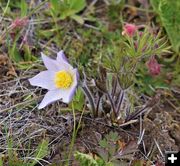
60 79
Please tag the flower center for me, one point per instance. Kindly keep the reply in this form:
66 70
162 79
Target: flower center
63 79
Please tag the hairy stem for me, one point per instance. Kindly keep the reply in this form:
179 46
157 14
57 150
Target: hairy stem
112 104
90 98
120 102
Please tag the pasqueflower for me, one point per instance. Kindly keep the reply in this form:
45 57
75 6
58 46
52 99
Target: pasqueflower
60 79
153 66
20 22
129 29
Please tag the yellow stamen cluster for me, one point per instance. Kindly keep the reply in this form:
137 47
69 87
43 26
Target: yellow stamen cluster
63 79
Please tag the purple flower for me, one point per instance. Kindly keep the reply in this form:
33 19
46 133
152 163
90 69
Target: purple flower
60 78
153 66
129 29
20 22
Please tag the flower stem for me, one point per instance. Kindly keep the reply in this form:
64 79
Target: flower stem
112 104
73 135
75 130
120 101
90 98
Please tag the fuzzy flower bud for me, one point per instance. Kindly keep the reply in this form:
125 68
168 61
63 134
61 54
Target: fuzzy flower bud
20 22
129 29
153 66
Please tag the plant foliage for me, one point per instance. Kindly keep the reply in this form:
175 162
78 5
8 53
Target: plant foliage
88 160
170 17
67 8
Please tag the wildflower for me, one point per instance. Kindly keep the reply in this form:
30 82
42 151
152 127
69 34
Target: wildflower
19 22
60 79
153 66
129 29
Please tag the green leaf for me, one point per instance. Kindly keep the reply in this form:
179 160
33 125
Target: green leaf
10 151
71 7
24 8
114 136
155 4
54 6
48 33
14 53
78 100
85 159
77 5
27 52
78 19
13 49
41 152
1 161
103 143
170 17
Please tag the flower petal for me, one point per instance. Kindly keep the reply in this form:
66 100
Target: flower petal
57 94
61 57
50 97
51 64
75 75
67 94
44 79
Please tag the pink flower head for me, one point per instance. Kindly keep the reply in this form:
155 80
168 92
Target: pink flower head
20 22
60 79
129 29
153 66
